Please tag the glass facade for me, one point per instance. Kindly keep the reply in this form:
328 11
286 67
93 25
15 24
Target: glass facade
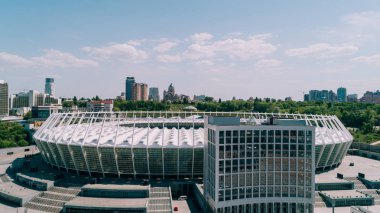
263 169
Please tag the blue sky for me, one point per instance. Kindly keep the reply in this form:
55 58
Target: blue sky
218 48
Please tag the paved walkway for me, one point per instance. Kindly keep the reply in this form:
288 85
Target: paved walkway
375 143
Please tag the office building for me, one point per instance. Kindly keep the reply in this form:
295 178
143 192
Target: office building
371 97
352 98
43 112
144 91
136 92
306 97
321 95
199 97
121 96
140 92
259 168
154 94
100 106
4 106
49 86
129 85
32 98
342 94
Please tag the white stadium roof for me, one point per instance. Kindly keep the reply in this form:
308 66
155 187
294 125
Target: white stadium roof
126 130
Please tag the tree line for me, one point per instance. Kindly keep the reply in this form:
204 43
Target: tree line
12 134
362 119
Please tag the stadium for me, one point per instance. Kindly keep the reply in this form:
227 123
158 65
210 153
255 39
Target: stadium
167 145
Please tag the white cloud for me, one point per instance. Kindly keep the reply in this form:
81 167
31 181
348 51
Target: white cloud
138 42
169 58
204 63
165 46
14 59
123 52
363 19
370 60
55 58
201 37
267 63
50 58
234 48
323 50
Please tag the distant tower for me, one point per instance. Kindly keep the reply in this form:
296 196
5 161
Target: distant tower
136 92
4 110
342 94
129 84
49 86
140 92
154 94
144 91
170 94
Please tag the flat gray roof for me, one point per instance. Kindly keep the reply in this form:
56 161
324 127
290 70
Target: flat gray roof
94 202
367 166
116 187
17 190
343 194
326 179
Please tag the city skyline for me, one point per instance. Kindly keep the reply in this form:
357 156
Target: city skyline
251 52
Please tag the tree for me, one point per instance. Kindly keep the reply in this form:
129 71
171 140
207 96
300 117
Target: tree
12 135
96 98
75 101
28 116
209 99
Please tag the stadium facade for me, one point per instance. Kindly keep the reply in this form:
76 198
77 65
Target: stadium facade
161 144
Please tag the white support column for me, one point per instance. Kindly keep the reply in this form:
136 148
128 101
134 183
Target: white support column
133 155
71 140
59 138
162 148
115 142
147 147
49 145
192 162
178 132
333 131
97 146
71 151
323 141
84 139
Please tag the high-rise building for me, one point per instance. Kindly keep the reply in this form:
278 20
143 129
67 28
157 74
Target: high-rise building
342 94
321 95
371 97
136 92
144 91
32 98
140 92
4 106
306 97
129 85
154 94
49 86
352 98
259 168
199 97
